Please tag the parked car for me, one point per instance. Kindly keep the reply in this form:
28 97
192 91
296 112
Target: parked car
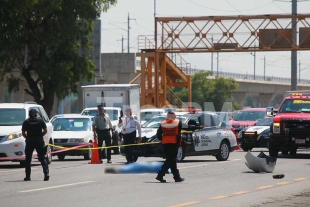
216 138
255 136
147 114
12 143
247 117
72 130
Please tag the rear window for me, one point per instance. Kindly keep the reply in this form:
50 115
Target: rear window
12 117
72 124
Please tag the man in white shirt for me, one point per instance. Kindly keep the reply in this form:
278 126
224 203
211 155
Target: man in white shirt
129 125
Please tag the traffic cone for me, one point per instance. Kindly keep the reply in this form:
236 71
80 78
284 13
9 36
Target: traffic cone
95 155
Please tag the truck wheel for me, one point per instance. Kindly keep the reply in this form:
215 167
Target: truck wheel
293 151
61 157
284 152
246 148
273 151
223 153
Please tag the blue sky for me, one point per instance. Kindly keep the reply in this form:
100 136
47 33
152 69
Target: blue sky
114 26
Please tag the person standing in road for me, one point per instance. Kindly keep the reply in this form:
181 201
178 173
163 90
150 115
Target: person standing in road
101 128
33 130
129 125
169 133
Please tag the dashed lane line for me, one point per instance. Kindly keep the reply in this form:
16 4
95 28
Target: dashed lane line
300 179
264 187
241 192
283 183
219 197
186 204
53 187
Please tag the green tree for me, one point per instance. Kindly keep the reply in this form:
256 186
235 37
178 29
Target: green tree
48 45
216 90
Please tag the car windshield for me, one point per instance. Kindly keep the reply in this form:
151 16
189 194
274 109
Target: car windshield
155 121
147 115
72 124
113 113
12 117
250 115
296 105
265 122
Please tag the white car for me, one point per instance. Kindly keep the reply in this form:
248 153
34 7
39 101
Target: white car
72 130
12 143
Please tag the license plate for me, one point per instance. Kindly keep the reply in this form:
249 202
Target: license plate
300 141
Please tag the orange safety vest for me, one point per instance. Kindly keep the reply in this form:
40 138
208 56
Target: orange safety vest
170 131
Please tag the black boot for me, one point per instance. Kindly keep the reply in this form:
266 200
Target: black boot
160 176
177 177
46 177
27 178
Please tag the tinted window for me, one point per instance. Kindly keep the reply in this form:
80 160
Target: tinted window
265 122
250 116
72 124
296 105
216 120
42 111
145 116
12 117
205 120
154 122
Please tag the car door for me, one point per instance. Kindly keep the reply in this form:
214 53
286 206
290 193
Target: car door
223 132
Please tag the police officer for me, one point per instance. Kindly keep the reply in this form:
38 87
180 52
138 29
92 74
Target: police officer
129 124
33 130
169 133
102 126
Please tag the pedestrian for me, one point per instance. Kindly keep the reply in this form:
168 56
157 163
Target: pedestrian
101 127
33 130
169 132
129 124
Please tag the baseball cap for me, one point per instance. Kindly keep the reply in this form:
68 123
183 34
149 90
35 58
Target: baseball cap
100 107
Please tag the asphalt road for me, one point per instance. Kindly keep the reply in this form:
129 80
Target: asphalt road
208 182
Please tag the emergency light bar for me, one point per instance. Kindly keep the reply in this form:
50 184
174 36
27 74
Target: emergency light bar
300 94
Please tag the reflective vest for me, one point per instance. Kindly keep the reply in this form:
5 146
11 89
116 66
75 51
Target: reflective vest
170 131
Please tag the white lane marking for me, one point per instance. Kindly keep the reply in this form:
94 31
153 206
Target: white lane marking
208 164
16 170
53 187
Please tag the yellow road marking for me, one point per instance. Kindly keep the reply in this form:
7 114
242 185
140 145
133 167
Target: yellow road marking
241 192
53 187
283 183
186 204
264 187
299 179
219 197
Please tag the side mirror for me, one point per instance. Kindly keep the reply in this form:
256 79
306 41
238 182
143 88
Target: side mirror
269 111
255 124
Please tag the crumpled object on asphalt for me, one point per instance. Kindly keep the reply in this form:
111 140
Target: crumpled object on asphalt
261 163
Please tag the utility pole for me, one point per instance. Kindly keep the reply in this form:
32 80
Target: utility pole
254 55
128 33
264 67
294 52
299 70
122 43
217 64
212 55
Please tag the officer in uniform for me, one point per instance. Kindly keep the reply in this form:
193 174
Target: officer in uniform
169 133
102 126
129 124
33 130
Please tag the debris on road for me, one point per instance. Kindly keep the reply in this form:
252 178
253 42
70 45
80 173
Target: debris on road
261 163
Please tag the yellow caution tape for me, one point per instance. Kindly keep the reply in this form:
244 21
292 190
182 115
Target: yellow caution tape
88 148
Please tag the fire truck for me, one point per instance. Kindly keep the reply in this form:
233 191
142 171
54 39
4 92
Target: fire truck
291 125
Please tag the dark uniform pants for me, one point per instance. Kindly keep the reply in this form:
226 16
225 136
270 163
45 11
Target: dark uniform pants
171 151
104 135
39 146
129 139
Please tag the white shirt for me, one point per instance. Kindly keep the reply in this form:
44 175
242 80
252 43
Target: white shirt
129 125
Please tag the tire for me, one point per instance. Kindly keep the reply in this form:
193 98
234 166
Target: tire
181 154
49 156
135 158
61 157
273 151
22 164
224 151
293 151
246 148
89 153
284 152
